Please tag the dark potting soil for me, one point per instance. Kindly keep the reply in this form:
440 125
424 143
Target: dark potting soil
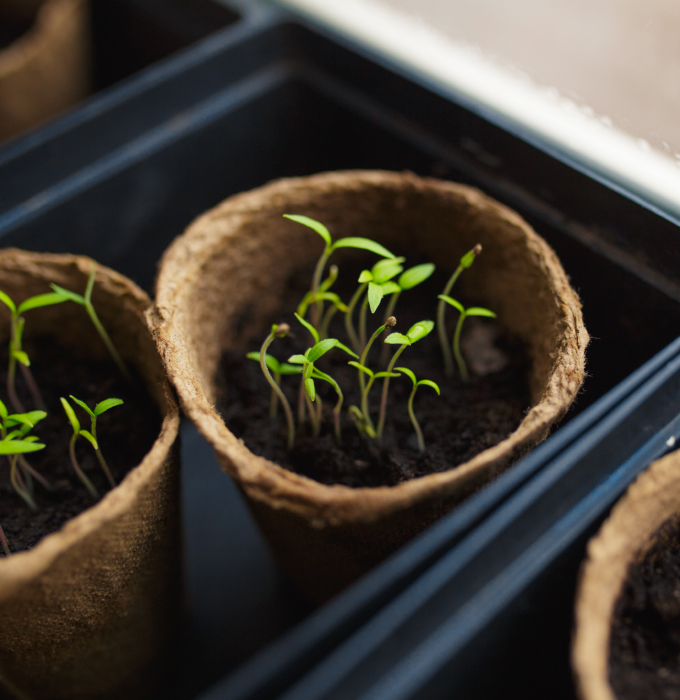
463 421
644 654
125 434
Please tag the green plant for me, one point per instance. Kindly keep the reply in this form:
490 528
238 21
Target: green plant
86 301
279 369
465 262
15 442
464 313
16 351
75 425
416 332
411 412
91 437
330 247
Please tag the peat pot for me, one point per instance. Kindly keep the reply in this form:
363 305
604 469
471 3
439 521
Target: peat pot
628 604
44 60
89 610
221 284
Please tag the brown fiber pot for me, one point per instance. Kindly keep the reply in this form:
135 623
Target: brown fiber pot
47 69
209 299
624 538
88 611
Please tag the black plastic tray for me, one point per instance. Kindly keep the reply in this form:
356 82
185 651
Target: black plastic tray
270 96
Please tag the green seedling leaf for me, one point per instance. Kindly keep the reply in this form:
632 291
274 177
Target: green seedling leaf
90 438
429 382
375 296
321 349
415 275
70 414
289 369
31 438
84 406
311 389
269 360
419 330
3 411
361 367
16 433
309 327
72 296
313 224
363 244
8 302
298 359
479 311
17 447
452 302
22 357
344 348
105 405
390 288
330 280
31 419
408 373
365 276
397 339
387 374
41 300
385 270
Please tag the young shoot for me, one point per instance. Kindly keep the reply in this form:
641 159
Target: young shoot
309 372
464 313
415 333
330 247
15 442
411 412
91 437
278 331
75 425
318 374
362 416
16 351
279 369
465 262
389 323
407 280
86 301
376 283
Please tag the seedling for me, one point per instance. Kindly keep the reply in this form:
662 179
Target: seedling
464 313
362 417
5 544
91 436
75 425
86 301
279 369
15 442
16 351
465 262
415 333
318 374
411 413
280 330
375 282
330 247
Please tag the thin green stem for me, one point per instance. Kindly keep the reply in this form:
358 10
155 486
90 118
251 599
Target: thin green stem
107 341
76 467
386 387
28 469
441 324
317 311
313 417
462 367
362 323
11 371
414 420
390 310
18 484
365 409
105 467
33 387
275 387
349 326
5 543
274 400
326 321
302 415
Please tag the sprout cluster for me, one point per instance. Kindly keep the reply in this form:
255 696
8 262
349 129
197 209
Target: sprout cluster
387 278
16 439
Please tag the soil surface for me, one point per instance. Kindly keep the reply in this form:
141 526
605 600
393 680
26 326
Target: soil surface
457 425
125 434
644 652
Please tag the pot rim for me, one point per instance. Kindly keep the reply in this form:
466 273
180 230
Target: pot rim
266 481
